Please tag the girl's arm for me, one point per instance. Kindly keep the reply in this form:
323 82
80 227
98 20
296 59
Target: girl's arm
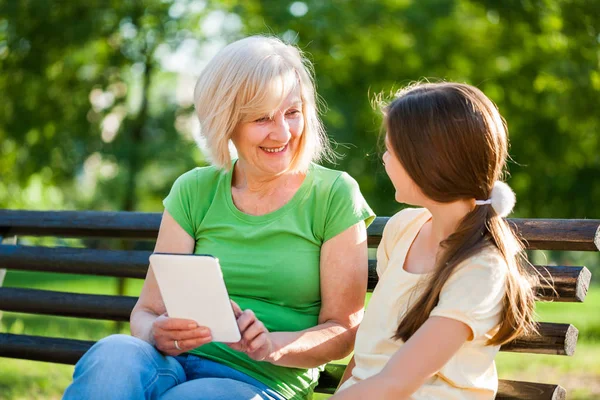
344 272
421 357
347 372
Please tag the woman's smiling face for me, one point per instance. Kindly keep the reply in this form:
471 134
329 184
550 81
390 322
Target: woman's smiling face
268 144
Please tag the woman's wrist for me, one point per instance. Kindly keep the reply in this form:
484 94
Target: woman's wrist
273 353
141 326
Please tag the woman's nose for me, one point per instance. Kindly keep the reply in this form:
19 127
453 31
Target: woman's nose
281 129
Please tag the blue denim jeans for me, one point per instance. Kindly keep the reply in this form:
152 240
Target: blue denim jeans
125 367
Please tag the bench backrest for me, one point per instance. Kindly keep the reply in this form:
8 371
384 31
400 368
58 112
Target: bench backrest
562 283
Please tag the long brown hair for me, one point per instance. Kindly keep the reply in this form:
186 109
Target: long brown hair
453 143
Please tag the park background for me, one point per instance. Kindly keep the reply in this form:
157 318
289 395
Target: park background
96 114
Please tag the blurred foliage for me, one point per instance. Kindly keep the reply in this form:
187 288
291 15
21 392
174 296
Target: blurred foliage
82 122
92 114
538 60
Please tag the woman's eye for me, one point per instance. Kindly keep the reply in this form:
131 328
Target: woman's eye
263 119
293 112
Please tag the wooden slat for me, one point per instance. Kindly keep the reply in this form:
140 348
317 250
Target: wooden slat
33 301
121 224
507 390
68 351
571 283
560 234
117 263
374 231
39 348
564 284
553 339
543 234
540 234
515 390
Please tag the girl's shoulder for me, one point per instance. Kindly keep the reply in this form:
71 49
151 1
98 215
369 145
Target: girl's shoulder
404 221
487 264
407 215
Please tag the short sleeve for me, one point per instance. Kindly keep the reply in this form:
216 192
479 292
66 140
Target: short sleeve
346 207
383 257
394 230
474 294
180 201
386 245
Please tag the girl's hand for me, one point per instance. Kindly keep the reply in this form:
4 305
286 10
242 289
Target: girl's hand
173 336
256 340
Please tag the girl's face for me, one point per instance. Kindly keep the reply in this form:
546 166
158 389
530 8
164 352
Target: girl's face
407 190
268 144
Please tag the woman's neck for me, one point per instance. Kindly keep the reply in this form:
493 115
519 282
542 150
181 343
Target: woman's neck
258 184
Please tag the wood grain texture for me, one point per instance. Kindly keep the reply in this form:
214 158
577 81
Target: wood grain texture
543 234
553 338
563 284
557 283
507 390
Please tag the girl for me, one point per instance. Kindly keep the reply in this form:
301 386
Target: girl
453 287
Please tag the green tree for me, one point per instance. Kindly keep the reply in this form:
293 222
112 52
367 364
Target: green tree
538 60
83 122
85 89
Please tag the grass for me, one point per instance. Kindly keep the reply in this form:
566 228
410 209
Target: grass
20 379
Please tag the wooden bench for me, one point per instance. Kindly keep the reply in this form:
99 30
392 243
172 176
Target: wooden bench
570 284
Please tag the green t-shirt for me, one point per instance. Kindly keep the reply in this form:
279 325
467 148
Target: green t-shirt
270 262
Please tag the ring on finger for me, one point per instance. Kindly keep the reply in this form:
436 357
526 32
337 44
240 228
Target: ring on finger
177 345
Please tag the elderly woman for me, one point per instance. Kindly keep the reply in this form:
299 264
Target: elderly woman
290 236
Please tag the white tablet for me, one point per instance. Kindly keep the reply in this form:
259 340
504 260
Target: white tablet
192 287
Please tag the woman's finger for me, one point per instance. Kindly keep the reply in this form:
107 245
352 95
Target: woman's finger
257 342
165 340
190 344
253 331
245 320
188 334
237 311
166 323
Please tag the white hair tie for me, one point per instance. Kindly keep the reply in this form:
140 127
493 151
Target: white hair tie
502 199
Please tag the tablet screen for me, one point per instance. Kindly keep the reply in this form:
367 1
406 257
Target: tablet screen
192 287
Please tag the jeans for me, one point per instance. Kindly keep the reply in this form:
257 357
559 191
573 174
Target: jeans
125 367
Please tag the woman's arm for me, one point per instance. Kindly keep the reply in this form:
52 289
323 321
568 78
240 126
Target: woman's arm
148 319
344 272
421 357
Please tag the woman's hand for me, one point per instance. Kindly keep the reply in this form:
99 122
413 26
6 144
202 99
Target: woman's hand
173 336
256 340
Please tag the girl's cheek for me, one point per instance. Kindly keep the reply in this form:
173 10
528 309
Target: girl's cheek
389 171
387 164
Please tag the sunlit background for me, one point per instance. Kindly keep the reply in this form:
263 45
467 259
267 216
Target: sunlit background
96 114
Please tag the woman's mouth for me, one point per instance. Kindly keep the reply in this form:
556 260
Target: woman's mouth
274 149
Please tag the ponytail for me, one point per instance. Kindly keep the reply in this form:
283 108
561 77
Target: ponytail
480 228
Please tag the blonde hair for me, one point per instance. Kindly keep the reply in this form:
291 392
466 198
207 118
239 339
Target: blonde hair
467 136
248 79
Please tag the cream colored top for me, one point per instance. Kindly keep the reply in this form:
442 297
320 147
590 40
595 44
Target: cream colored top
473 295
